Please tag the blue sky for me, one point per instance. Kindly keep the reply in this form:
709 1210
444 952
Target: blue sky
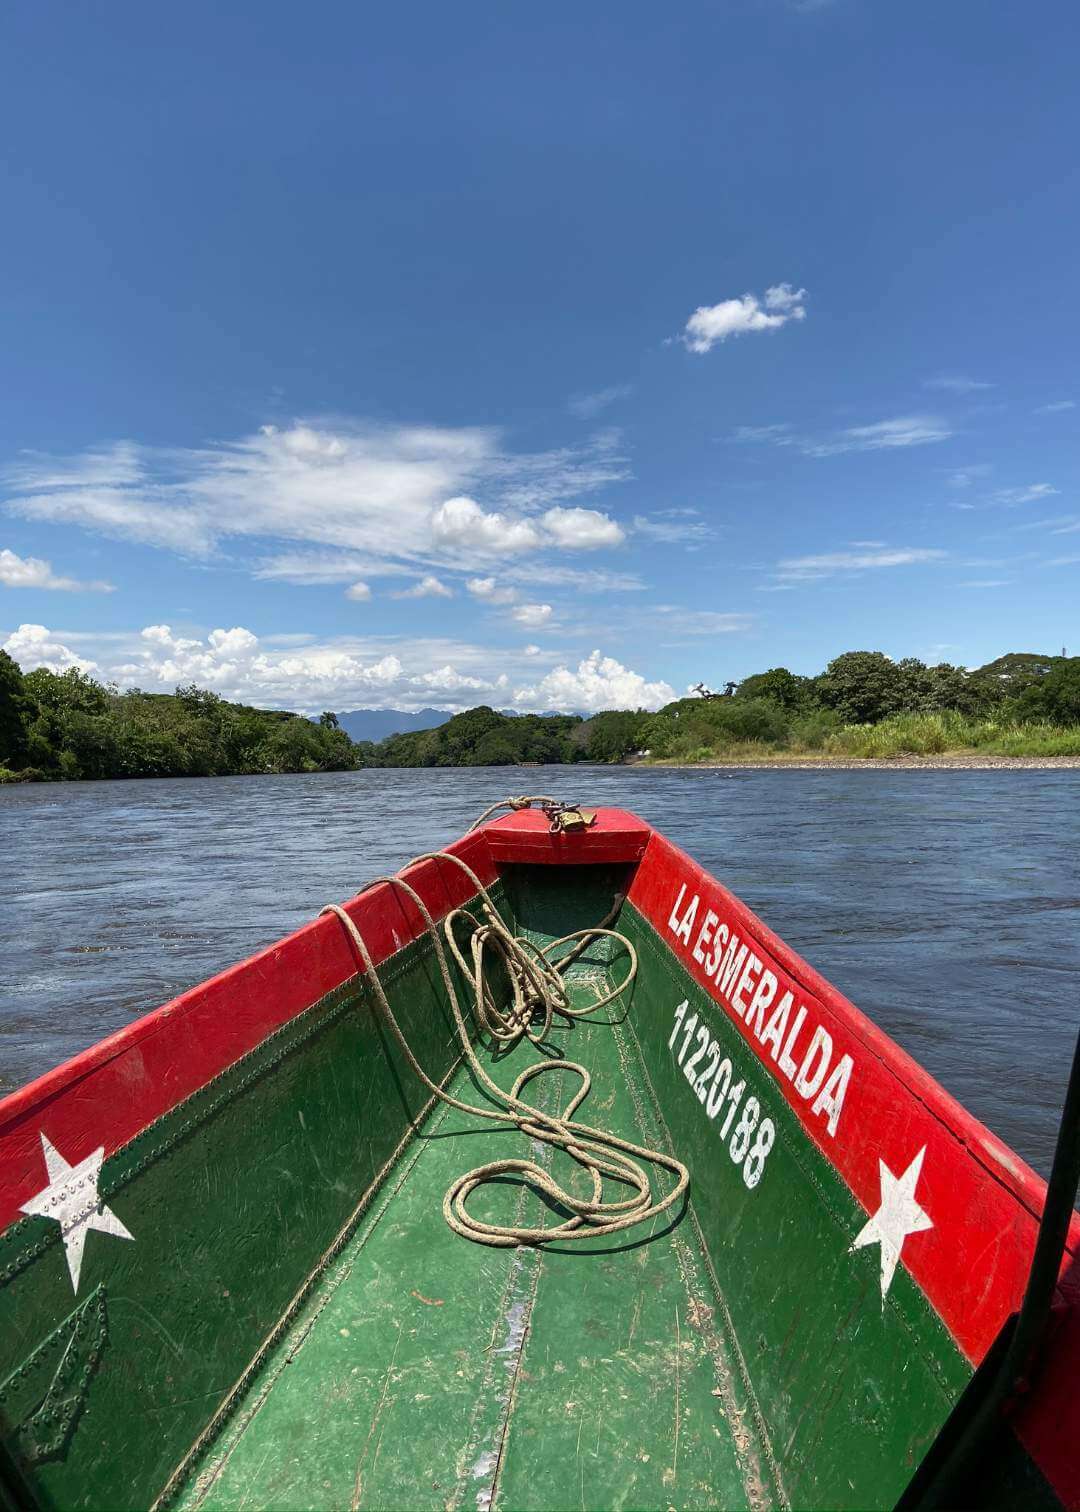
549 357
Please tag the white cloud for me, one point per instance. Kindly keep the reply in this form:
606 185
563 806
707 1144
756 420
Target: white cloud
710 324
828 564
882 435
675 618
316 568
583 580
490 591
964 477
34 646
585 406
393 494
533 616
33 572
427 587
461 522
448 680
955 383
359 592
777 434
581 529
673 527
986 583
340 674
1026 495
1058 407
600 682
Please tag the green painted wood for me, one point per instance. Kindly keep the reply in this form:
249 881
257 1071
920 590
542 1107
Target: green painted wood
430 1372
852 1392
233 1199
739 1356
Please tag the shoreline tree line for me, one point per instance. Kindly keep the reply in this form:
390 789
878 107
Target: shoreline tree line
68 726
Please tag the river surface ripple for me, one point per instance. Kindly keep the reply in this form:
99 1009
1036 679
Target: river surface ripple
945 904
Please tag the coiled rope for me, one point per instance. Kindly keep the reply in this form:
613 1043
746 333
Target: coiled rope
538 993
556 812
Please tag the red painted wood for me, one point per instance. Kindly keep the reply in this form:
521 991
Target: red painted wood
525 837
112 1091
983 1200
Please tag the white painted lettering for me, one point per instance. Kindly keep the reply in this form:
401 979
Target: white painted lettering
673 921
683 931
712 960
763 996
830 1099
787 1065
704 936
727 973
775 1028
807 1082
746 981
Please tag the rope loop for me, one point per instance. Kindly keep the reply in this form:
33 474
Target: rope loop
538 991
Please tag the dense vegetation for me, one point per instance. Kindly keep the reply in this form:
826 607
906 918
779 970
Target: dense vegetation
70 726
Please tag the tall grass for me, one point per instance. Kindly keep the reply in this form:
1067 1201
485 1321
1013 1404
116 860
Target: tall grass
934 734
900 735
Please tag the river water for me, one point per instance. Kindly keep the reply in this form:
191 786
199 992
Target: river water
945 904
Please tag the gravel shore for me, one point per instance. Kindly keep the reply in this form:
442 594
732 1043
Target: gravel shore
886 763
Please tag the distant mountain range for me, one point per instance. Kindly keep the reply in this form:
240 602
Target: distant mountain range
377 724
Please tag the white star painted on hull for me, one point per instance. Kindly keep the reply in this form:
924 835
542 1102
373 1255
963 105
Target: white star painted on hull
72 1200
898 1216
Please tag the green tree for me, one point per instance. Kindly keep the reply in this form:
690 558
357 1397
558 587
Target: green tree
862 686
1055 697
778 686
16 708
613 735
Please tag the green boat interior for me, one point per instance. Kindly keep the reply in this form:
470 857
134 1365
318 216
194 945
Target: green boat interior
424 1370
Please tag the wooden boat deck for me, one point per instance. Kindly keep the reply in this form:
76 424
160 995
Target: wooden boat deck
427 1371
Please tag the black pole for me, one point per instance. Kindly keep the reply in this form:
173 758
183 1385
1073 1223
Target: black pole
958 1450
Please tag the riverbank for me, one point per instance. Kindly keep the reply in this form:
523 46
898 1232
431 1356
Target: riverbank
961 761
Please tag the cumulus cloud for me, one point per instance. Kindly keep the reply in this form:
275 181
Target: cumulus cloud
490 591
294 672
400 496
533 616
427 587
33 572
599 682
462 523
34 646
581 529
359 592
710 324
